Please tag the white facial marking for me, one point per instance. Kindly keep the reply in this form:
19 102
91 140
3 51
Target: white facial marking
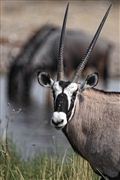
72 87
72 113
57 88
60 118
69 92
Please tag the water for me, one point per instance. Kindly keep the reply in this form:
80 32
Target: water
30 128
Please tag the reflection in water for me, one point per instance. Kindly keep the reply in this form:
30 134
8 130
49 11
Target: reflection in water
30 127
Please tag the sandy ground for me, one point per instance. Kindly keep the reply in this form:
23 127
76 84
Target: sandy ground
19 19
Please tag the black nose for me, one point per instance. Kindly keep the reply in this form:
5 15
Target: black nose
57 123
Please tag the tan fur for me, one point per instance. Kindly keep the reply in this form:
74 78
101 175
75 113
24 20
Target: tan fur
94 131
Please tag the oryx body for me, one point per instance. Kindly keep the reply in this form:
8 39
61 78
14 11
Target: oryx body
89 118
94 131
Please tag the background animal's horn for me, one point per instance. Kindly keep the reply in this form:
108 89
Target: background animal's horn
60 68
90 48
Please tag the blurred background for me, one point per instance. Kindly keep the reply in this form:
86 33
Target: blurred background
29 127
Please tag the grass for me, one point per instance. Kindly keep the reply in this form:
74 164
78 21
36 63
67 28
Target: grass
42 167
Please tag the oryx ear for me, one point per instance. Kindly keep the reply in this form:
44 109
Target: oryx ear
91 81
44 79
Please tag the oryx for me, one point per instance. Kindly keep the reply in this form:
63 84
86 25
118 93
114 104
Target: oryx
89 118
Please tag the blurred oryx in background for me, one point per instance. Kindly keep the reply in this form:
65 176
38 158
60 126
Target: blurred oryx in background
40 53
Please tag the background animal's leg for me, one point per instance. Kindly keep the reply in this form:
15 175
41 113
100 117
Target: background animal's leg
25 94
14 82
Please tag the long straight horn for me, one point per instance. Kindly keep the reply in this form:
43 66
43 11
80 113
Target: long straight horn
90 48
60 68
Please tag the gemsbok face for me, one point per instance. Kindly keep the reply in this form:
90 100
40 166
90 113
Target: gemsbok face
65 92
64 95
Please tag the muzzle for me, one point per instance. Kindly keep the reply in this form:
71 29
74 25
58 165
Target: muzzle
59 120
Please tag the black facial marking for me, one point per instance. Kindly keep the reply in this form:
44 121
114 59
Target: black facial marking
61 103
53 94
64 84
